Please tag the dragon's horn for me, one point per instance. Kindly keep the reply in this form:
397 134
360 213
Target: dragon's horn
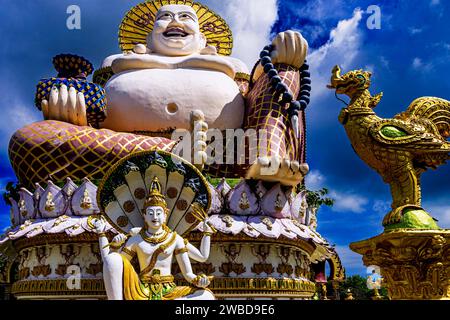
335 77
336 73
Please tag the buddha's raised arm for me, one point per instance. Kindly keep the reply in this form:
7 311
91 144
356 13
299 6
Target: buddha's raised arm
275 114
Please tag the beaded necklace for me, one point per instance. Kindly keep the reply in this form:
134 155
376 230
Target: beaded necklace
155 239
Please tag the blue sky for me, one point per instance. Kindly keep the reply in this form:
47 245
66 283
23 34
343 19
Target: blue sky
409 55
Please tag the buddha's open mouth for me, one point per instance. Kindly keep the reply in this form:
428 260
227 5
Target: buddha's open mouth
175 33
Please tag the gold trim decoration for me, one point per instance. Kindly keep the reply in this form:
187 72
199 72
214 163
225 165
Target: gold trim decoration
180 251
307 245
138 24
155 279
58 238
414 264
54 288
155 198
155 239
337 272
242 76
247 287
129 252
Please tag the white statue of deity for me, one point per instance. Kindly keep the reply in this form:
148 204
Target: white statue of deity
154 246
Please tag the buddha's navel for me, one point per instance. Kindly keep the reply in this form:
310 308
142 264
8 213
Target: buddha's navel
172 108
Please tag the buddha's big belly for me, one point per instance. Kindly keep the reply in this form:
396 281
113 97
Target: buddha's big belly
159 99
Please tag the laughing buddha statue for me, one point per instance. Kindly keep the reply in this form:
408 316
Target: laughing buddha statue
175 71
154 246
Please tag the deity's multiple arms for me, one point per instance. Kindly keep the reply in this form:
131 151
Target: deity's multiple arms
182 256
202 254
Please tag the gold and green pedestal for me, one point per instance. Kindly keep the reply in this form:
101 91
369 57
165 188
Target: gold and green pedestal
415 264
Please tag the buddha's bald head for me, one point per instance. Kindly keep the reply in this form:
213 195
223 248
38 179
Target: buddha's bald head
176 32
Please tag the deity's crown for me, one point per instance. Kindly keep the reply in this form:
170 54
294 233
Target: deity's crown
155 198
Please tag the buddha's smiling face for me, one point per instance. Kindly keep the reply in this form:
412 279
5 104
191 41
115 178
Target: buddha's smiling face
155 218
176 32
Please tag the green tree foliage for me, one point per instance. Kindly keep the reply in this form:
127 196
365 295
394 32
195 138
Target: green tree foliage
12 191
358 286
318 198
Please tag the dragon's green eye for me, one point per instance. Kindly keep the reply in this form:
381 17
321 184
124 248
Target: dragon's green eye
393 132
363 80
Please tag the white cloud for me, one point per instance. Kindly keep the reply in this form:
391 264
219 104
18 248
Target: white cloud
342 48
384 61
15 116
440 212
350 260
435 2
370 68
319 10
251 22
343 201
315 180
414 30
381 207
418 64
348 202
441 45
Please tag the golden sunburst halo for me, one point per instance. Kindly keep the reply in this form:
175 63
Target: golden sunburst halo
139 21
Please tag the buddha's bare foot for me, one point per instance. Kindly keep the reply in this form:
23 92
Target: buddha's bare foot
275 169
199 128
65 105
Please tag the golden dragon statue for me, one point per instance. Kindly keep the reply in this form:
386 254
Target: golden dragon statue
399 149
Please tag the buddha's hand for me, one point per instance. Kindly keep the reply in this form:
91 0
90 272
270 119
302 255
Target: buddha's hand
290 48
208 229
65 105
97 223
201 281
119 240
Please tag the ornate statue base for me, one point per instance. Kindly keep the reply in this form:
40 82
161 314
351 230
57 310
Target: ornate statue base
252 257
47 269
241 275
414 263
